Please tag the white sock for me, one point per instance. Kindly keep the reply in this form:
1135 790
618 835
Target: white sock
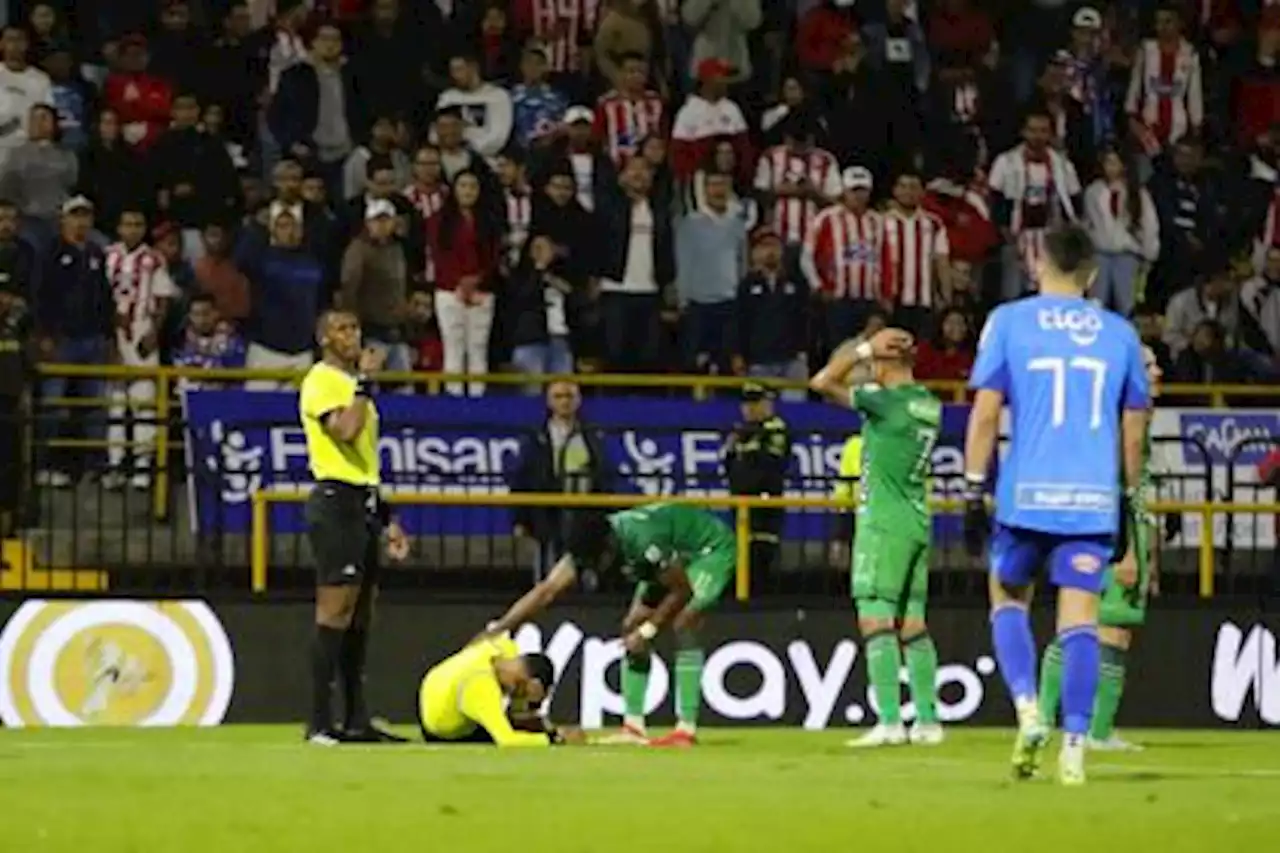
1028 712
636 723
687 728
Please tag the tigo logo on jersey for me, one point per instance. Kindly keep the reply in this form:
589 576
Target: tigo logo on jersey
122 663
1082 325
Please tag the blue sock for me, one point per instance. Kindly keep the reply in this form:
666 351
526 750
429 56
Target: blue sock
1015 650
1081 659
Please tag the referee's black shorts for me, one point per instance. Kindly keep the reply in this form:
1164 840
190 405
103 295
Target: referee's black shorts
344 529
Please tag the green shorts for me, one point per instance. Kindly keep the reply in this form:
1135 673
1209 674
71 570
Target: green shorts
1126 607
890 575
709 574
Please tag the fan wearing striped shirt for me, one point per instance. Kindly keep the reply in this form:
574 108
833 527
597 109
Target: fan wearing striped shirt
801 178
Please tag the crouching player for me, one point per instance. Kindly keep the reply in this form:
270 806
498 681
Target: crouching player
891 552
484 693
1122 610
681 559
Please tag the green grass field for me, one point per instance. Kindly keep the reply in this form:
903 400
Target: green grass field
257 788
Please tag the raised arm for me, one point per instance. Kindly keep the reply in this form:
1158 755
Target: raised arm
539 598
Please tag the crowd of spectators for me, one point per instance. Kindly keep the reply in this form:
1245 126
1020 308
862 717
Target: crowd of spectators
727 186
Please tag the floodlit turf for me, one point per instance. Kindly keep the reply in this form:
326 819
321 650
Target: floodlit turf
259 789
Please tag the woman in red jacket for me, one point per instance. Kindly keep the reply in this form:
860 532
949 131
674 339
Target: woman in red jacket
464 244
950 355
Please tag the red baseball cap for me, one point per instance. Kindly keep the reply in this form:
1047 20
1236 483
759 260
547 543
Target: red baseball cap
714 68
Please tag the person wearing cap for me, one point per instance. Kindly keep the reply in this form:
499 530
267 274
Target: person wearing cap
706 116
769 334
1086 73
375 283
711 259
756 458
74 324
800 178
536 105
593 171
721 29
39 175
140 99
843 257
24 87
486 108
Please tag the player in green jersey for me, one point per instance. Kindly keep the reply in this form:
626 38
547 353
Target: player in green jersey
681 559
901 419
1122 610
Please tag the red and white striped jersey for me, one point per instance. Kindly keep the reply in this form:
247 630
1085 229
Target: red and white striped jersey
913 243
844 253
1165 91
780 165
519 213
427 202
622 124
139 279
562 25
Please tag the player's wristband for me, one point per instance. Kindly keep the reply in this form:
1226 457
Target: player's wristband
974 485
647 630
365 387
863 351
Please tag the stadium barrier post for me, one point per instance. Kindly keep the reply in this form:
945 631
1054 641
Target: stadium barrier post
1206 551
258 538
160 496
742 523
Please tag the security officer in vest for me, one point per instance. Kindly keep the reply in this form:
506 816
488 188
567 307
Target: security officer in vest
756 459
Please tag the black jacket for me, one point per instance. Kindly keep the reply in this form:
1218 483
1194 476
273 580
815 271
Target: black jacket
771 323
614 216
572 228
115 178
18 268
604 176
526 304
192 157
295 109
536 472
72 294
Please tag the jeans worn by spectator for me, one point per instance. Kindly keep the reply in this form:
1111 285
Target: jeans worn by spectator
1116 283
704 331
797 369
399 359
57 422
553 357
632 327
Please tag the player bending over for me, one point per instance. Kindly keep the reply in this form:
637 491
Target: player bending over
1073 379
901 419
1122 611
482 695
681 559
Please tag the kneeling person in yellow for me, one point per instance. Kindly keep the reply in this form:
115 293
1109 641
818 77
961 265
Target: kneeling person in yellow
464 698
346 517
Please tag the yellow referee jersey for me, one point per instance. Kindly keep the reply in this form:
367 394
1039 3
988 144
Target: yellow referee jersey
850 468
462 693
327 389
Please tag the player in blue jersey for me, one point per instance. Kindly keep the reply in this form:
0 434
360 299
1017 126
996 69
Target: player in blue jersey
1073 379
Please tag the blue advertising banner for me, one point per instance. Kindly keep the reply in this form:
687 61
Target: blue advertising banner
240 441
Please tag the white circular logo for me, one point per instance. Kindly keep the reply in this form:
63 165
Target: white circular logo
123 663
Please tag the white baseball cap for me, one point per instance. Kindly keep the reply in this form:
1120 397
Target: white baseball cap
76 202
856 178
379 207
1087 17
573 115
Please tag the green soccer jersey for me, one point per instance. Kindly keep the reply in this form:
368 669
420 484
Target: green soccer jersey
655 536
900 428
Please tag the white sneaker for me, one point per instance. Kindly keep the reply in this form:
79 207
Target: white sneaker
60 480
1115 743
114 481
926 734
629 735
881 735
1071 763
140 482
322 739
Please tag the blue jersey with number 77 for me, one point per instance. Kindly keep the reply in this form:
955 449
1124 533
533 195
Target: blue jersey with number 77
1067 370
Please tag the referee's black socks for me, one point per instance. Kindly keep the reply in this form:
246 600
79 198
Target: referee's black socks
355 641
326 650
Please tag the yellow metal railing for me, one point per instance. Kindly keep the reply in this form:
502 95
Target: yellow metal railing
262 499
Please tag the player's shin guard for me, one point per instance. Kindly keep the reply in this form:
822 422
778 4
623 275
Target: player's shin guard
1080 661
326 647
1110 689
635 681
355 642
884 662
689 660
922 674
1050 684
1015 651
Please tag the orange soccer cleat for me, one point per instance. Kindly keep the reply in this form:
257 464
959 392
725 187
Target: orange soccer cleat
678 739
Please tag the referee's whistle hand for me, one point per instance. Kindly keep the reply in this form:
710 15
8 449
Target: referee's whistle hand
397 542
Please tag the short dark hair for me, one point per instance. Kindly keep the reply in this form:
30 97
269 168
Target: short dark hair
1036 112
589 539
132 209
378 163
632 56
540 667
202 298
1070 249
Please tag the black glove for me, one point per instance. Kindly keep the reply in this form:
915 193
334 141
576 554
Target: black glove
1172 526
977 523
1123 531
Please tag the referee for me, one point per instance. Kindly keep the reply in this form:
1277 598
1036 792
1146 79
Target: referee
345 519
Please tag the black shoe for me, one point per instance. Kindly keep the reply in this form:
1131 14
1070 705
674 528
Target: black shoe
370 734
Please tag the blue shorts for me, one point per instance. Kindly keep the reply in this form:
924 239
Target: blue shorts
1074 562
